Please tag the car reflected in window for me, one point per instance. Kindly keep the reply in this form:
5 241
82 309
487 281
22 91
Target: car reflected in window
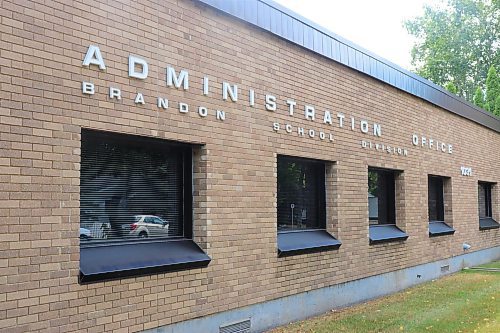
148 226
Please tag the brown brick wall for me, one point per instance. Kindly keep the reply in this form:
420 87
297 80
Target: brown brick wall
42 111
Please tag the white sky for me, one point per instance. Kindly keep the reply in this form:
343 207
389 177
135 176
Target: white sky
376 25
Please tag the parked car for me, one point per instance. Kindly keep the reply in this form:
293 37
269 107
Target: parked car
149 226
85 234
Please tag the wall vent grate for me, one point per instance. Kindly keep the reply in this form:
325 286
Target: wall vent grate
445 268
242 326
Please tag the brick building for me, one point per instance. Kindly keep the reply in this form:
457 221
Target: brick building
226 165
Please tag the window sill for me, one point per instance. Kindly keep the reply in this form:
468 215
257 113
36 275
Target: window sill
101 263
439 228
386 233
488 223
305 241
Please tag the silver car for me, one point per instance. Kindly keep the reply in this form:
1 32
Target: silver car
149 226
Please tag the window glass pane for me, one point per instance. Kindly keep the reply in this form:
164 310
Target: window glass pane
301 194
484 200
381 197
435 199
131 188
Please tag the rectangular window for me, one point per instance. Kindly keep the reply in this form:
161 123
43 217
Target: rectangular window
301 194
436 199
381 196
301 207
484 200
485 206
382 206
437 188
135 195
131 189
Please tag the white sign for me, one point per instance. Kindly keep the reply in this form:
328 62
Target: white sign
329 119
466 171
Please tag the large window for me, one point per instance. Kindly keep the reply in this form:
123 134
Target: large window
485 206
301 194
134 192
131 189
438 190
301 210
382 206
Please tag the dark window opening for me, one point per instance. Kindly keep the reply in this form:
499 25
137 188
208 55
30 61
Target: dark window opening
381 196
382 207
484 200
132 188
301 207
301 194
134 193
436 199
485 207
436 207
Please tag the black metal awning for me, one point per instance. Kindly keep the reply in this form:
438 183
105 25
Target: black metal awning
109 262
305 241
439 228
383 233
488 223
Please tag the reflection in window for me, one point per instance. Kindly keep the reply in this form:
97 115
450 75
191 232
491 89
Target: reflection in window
131 187
381 196
301 194
436 199
484 200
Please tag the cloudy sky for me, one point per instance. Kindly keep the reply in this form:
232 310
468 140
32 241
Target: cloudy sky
376 25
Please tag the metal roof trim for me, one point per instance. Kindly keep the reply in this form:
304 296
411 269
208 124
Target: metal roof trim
398 77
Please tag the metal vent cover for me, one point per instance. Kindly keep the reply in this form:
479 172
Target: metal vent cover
445 268
242 326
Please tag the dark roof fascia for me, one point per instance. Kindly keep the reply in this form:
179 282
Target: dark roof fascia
281 21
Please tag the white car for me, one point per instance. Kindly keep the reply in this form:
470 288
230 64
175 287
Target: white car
149 226
85 234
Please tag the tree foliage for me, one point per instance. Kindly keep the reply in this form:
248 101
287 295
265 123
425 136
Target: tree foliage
451 88
457 42
497 107
479 98
492 89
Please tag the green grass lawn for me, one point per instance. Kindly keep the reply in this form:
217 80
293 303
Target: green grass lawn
495 264
468 301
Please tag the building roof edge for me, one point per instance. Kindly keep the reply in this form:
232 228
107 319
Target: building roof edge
283 22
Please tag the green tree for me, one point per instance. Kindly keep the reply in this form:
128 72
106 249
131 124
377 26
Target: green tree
451 88
492 89
497 106
479 98
457 42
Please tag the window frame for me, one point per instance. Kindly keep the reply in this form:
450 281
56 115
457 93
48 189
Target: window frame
179 252
386 232
487 222
438 227
440 202
320 205
390 178
308 240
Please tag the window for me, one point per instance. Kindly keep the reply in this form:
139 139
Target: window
436 206
301 207
135 200
301 194
436 199
382 206
381 197
485 207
